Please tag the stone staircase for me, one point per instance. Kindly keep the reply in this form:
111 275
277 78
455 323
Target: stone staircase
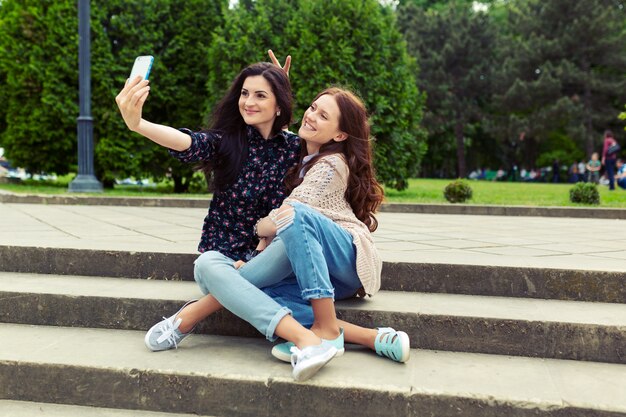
488 341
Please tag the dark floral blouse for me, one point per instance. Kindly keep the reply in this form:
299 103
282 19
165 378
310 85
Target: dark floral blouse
259 188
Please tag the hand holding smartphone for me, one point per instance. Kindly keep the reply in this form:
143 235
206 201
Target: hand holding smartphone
142 67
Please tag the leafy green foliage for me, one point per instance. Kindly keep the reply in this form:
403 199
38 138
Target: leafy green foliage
352 43
178 35
39 110
39 67
453 46
562 70
584 193
192 70
457 191
561 147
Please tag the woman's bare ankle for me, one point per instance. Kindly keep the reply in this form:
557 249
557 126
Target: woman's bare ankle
187 324
310 339
326 333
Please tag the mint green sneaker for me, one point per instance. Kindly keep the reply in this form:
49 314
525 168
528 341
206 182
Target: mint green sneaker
282 351
392 344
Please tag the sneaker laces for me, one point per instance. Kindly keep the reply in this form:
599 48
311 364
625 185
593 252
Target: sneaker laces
168 331
295 355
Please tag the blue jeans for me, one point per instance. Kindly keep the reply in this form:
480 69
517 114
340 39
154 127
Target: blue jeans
321 253
311 243
610 172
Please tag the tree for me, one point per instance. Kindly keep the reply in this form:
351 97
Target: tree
563 70
353 43
439 5
39 60
453 45
40 103
3 82
178 79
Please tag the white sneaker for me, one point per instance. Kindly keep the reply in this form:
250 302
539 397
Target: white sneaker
308 361
282 351
165 334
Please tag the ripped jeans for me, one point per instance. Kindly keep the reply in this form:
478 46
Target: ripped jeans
311 257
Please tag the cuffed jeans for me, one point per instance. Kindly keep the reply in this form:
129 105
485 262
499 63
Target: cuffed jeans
311 257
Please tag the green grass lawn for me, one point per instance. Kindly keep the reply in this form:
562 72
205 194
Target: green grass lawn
60 186
502 193
118 191
419 191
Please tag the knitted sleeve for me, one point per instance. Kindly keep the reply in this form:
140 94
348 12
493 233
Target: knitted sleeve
324 185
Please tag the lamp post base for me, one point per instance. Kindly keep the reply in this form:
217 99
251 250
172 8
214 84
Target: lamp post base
85 184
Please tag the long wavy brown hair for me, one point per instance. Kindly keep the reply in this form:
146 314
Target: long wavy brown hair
364 193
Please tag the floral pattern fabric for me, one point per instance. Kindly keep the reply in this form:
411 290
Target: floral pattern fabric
259 188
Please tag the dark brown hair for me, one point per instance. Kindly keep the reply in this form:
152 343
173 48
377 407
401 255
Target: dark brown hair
233 148
364 193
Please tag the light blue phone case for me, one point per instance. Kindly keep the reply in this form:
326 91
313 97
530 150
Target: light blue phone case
139 67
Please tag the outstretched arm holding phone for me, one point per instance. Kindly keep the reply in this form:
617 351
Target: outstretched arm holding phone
130 102
135 93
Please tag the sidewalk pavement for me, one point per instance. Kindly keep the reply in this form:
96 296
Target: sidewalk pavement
541 242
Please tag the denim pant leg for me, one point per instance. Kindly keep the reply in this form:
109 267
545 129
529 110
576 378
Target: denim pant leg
610 172
271 271
287 293
269 267
321 253
220 278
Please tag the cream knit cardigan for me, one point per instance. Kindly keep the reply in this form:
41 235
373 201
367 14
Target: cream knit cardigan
323 189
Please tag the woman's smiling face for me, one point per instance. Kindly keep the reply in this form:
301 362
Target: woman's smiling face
257 104
320 123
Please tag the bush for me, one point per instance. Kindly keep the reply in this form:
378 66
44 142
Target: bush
585 193
370 58
457 191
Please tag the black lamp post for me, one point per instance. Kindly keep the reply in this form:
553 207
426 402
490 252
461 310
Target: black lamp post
85 181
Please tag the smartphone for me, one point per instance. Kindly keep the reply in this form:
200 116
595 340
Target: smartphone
142 66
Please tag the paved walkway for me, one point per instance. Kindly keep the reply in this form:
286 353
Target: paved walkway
570 243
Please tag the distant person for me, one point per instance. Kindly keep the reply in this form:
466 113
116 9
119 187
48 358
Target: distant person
572 173
620 177
593 168
524 174
555 170
581 172
4 166
609 156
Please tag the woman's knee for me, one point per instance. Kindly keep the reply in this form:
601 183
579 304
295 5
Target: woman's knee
207 269
295 212
283 217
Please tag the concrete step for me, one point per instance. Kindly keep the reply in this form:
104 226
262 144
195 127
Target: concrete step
230 376
498 325
504 281
10 408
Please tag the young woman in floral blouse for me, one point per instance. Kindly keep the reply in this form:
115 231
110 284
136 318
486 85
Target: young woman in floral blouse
246 150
